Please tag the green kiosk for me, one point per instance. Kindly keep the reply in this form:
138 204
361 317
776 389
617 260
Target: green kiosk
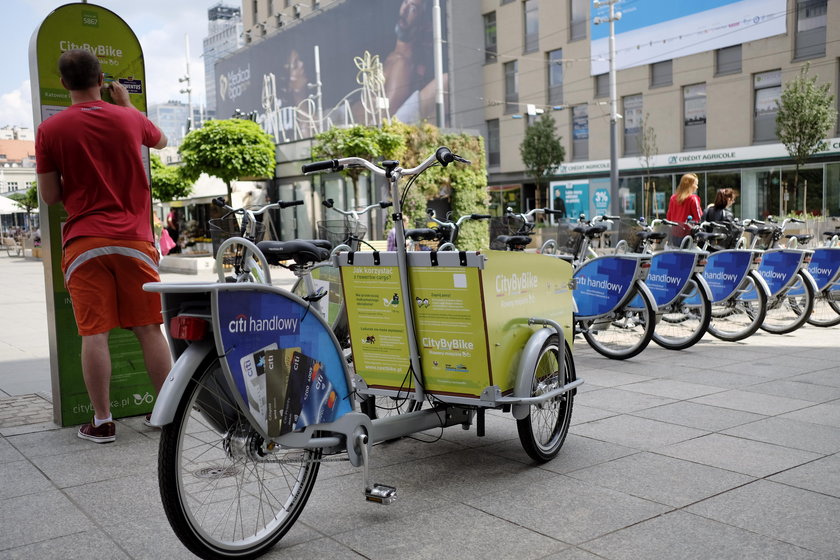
102 32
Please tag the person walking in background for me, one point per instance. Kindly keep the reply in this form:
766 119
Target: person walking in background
391 240
720 211
173 229
684 204
88 157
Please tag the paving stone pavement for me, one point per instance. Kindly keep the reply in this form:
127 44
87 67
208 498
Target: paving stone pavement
721 451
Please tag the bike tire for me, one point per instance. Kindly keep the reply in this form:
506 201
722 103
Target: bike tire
736 318
682 325
222 496
624 332
826 311
544 430
786 313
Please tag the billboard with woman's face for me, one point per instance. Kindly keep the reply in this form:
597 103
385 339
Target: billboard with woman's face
375 59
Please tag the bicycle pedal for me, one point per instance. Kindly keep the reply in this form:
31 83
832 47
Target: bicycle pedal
381 494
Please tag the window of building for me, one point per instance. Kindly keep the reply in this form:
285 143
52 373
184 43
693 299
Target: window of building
490 45
530 12
811 18
728 60
661 73
511 87
255 5
602 85
555 77
694 116
768 90
577 19
270 5
580 132
632 123
493 148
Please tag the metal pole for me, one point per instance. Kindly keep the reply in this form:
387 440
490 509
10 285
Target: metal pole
436 32
186 78
318 89
613 108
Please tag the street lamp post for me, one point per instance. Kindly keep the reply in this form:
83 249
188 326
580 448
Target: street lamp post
188 88
614 116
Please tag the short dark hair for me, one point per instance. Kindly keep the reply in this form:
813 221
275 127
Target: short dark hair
79 69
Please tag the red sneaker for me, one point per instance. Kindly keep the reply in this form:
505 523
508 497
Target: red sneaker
106 433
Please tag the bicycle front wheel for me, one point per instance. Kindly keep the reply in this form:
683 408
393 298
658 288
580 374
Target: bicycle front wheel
789 311
625 331
740 315
683 323
826 312
544 430
224 493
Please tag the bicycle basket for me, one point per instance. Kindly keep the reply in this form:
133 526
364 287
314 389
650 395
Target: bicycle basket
340 231
224 228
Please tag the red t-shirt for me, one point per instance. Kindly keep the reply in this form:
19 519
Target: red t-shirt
680 211
95 146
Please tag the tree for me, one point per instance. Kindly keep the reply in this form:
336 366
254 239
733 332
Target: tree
362 141
647 148
541 152
805 116
28 199
167 181
229 149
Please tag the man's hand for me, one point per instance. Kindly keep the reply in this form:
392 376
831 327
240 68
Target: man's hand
119 94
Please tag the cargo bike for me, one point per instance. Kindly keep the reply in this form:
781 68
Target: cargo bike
261 391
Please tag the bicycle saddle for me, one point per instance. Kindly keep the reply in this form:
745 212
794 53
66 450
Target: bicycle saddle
800 237
421 234
514 241
830 233
763 230
322 243
652 235
708 236
298 250
590 231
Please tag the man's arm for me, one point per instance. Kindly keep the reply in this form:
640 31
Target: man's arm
120 97
49 185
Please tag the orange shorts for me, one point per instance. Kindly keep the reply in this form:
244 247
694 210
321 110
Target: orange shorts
105 279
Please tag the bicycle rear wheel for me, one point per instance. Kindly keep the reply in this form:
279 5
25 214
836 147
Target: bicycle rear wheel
826 312
625 331
740 315
683 323
786 312
224 493
544 430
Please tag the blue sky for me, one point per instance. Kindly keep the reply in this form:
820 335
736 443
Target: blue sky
159 24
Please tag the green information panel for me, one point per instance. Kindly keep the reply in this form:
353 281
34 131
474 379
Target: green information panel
100 31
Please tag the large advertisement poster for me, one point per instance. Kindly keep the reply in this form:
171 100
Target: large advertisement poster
102 32
658 30
375 59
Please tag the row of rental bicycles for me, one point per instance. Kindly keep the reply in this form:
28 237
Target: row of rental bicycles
671 283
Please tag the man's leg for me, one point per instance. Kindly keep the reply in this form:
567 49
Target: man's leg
96 370
155 353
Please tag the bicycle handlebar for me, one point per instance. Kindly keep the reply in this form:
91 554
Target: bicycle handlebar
442 156
330 203
219 201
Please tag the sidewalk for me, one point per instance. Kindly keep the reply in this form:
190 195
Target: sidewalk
721 451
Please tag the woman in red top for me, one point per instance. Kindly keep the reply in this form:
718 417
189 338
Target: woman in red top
684 203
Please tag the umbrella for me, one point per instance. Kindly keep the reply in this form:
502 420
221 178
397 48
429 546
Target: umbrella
9 206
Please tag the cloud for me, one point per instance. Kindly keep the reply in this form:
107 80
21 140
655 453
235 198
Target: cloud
16 106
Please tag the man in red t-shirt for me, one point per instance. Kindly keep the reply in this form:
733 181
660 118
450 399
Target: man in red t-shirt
88 157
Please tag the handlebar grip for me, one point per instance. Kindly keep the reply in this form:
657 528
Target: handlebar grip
605 217
319 166
219 201
282 204
328 202
385 203
551 211
797 221
480 216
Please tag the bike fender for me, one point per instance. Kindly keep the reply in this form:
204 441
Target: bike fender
760 281
810 279
176 382
703 285
527 363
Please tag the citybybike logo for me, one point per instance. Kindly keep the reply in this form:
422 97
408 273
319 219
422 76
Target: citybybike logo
98 50
243 324
663 278
516 283
233 84
444 344
720 276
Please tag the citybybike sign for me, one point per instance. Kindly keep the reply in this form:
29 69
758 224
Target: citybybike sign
103 33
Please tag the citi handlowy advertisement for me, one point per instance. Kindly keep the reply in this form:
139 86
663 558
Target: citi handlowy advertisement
657 30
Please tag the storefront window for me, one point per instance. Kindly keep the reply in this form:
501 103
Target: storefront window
832 189
760 193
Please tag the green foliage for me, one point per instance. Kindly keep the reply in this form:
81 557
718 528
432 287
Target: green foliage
229 149
167 181
464 185
541 151
806 115
359 141
28 199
